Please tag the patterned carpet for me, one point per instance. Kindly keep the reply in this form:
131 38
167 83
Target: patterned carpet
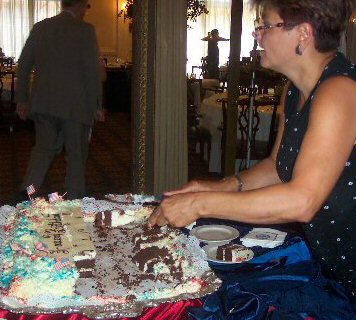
108 166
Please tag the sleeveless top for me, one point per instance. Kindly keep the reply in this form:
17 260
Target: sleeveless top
332 232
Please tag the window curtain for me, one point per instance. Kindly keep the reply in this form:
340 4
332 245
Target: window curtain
219 17
17 18
45 8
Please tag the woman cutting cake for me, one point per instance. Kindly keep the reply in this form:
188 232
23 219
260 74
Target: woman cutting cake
310 175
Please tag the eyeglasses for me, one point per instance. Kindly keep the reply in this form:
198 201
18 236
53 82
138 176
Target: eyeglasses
260 27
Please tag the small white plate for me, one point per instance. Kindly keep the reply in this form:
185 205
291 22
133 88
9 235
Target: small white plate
210 250
215 233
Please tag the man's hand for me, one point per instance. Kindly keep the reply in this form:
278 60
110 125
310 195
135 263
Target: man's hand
100 115
22 110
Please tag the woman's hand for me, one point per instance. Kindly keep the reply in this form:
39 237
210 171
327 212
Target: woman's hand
227 184
178 210
192 186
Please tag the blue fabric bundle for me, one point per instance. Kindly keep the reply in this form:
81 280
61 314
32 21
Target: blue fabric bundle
281 284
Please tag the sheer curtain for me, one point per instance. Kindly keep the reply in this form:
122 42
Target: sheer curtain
17 18
45 8
219 17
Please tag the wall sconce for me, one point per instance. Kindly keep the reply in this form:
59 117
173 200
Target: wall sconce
126 10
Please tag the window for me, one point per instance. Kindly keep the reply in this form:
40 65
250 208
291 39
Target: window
17 18
219 17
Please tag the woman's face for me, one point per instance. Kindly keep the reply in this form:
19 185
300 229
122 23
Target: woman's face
278 43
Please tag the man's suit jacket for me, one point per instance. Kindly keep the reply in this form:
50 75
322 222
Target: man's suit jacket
64 53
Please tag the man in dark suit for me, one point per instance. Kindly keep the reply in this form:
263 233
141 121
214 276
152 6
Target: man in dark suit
65 95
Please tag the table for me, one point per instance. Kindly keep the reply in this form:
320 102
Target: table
199 89
278 283
212 117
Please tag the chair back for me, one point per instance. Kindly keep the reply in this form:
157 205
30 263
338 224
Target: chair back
1 88
204 67
259 148
7 104
6 63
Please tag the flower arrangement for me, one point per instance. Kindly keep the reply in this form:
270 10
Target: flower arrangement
194 9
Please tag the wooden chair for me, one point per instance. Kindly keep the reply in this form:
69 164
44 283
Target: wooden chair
6 63
203 68
8 114
260 149
196 133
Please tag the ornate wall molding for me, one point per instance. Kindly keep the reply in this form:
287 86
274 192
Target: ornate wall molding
142 96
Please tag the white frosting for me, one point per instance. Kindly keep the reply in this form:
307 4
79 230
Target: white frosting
118 219
30 287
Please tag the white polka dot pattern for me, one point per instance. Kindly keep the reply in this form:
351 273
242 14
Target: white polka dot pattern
332 232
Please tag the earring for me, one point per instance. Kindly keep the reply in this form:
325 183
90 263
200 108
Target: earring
298 50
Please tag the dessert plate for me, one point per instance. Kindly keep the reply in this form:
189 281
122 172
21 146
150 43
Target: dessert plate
215 233
243 255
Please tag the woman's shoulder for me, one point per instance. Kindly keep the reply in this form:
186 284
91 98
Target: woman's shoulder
336 97
340 65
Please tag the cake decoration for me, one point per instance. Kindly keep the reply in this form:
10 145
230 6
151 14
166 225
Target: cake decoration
126 216
130 198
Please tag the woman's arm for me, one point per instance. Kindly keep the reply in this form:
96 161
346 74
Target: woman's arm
262 174
326 147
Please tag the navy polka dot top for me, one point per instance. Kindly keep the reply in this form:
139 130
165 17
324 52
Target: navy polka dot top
332 232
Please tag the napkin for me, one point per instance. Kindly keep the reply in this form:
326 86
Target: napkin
264 237
191 226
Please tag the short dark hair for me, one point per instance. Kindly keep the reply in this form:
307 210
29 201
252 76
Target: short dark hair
214 32
329 18
69 3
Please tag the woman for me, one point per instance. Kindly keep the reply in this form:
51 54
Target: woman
310 177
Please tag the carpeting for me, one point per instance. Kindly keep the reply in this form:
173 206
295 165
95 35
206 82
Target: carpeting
108 166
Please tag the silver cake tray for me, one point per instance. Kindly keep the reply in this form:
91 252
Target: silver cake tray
115 310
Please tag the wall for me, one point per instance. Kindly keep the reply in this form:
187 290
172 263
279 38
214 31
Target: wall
115 40
125 37
351 36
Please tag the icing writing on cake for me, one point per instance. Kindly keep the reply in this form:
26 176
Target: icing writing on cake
55 234
66 236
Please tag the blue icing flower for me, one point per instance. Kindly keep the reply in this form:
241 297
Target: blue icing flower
6 280
66 273
8 252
